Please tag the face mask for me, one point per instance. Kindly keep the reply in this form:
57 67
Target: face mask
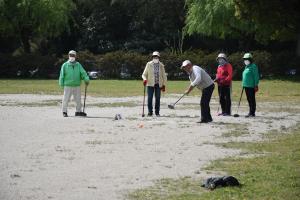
155 60
221 61
71 59
247 62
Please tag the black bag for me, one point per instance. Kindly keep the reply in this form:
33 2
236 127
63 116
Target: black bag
214 182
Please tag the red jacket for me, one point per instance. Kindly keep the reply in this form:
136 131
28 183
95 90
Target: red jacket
224 75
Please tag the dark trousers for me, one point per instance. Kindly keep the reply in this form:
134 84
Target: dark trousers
225 99
250 93
153 90
204 103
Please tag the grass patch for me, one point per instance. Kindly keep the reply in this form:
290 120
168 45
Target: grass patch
270 90
273 175
169 189
235 130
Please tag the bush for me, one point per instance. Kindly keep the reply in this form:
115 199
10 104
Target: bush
130 65
26 66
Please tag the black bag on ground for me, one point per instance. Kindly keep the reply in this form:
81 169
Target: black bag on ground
214 182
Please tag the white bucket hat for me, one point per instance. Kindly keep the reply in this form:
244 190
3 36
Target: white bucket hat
156 53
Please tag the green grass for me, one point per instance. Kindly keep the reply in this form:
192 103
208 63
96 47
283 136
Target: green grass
275 174
235 130
270 90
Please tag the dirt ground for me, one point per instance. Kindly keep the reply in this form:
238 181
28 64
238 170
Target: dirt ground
46 156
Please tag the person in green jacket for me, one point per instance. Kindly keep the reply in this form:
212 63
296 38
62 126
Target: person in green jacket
70 77
250 82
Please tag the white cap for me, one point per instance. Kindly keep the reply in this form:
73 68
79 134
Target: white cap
72 52
156 53
185 63
222 55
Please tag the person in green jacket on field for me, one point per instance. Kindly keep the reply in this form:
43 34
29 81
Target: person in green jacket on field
250 82
70 77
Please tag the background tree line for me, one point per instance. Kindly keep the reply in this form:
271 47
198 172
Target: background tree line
118 35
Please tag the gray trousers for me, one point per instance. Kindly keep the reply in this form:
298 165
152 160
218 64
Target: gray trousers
68 92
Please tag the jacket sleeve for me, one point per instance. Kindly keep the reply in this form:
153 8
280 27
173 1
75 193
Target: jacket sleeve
256 75
229 76
83 74
145 73
164 75
61 76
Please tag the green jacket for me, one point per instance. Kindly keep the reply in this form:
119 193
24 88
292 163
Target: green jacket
250 76
71 74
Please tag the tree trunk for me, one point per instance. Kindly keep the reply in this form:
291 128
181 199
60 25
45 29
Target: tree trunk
25 36
298 46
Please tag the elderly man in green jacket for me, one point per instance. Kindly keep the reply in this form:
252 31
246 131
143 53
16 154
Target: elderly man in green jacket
70 77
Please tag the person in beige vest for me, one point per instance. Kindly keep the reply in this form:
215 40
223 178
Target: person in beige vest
155 78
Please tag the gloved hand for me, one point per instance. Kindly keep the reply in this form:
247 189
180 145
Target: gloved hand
163 88
145 82
256 89
87 83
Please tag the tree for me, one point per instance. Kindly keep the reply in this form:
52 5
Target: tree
28 19
274 20
259 20
138 25
216 18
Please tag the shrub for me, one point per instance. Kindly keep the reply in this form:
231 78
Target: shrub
125 64
26 66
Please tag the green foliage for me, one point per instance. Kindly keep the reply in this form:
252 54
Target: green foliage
137 25
20 66
274 20
215 18
130 65
34 18
262 21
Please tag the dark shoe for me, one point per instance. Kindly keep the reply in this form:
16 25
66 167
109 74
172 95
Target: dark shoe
250 115
81 114
149 114
157 115
205 121
77 113
65 114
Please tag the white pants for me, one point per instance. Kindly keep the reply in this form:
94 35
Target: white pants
68 92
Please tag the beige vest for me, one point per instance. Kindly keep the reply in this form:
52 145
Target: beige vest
148 74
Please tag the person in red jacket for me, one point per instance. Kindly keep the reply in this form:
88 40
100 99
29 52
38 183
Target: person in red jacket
224 79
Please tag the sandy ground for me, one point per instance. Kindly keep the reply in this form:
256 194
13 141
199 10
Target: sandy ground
46 156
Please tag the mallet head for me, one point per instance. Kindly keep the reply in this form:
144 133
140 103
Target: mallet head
171 106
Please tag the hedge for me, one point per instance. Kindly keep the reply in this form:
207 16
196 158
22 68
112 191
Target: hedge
115 65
